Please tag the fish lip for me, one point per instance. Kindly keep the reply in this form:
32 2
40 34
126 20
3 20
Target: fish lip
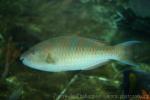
22 56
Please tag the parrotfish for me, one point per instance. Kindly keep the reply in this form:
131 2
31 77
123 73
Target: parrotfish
68 53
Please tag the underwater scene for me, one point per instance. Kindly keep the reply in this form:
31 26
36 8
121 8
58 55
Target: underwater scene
74 49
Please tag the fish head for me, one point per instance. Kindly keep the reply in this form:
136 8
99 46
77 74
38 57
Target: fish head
36 57
32 55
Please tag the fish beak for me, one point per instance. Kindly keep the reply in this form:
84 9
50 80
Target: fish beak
22 57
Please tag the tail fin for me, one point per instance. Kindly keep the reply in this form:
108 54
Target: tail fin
127 52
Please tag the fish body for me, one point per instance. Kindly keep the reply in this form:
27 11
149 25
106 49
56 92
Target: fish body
67 53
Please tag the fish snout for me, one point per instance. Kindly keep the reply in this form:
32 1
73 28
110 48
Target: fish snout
23 56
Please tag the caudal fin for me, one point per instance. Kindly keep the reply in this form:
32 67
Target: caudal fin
127 52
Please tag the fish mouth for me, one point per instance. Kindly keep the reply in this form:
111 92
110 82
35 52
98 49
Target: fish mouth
24 60
22 56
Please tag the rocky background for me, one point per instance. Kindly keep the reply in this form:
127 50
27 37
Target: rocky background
24 23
